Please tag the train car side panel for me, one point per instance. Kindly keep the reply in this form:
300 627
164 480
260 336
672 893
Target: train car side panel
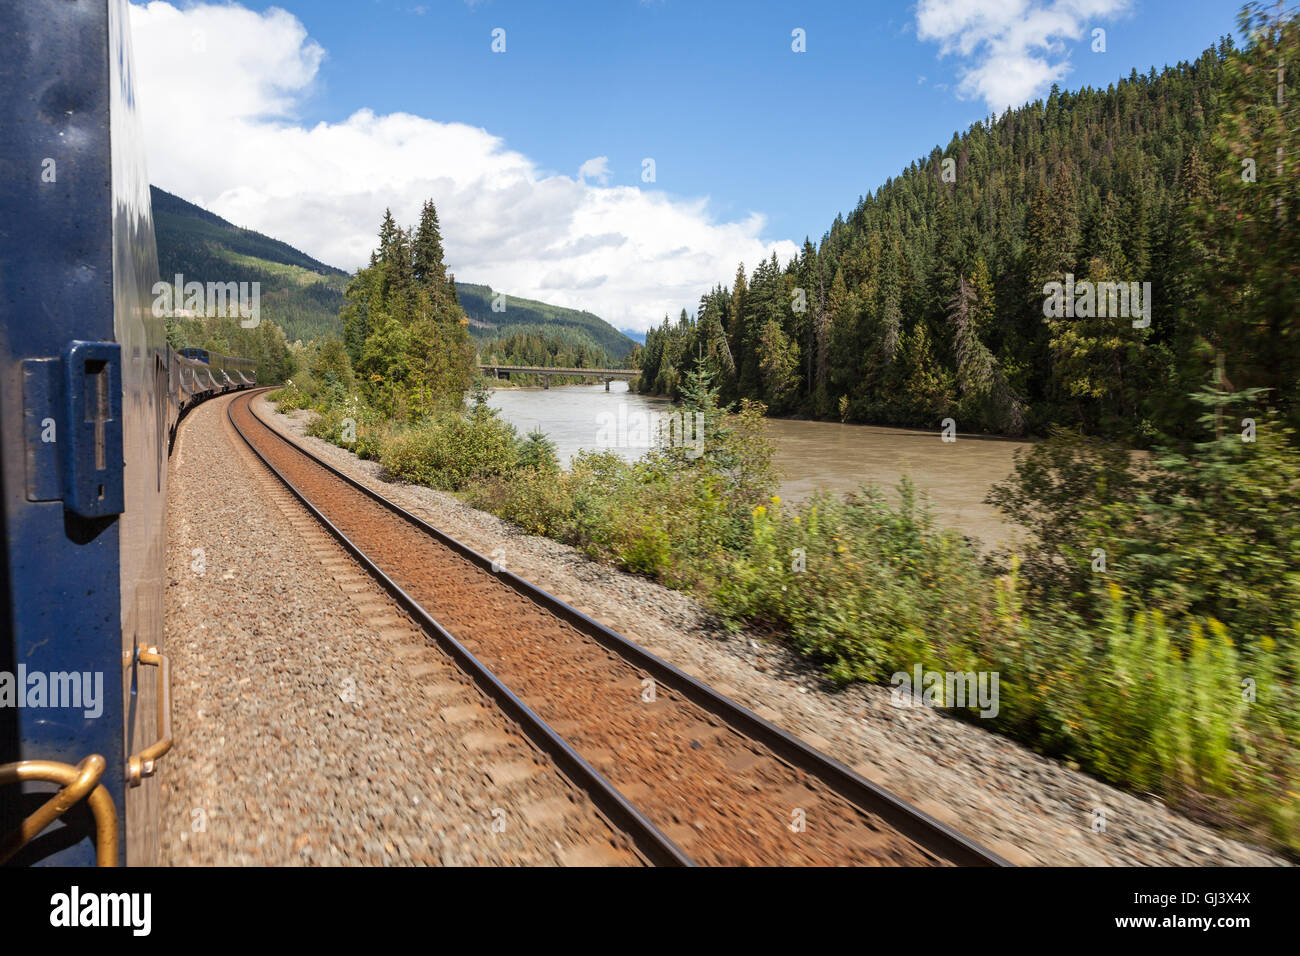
62 613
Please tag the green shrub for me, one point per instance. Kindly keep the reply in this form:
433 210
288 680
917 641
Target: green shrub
289 398
879 588
1142 699
596 483
451 450
537 500
537 451
349 423
411 454
1212 530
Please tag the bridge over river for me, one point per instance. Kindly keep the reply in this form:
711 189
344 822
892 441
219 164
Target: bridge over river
606 375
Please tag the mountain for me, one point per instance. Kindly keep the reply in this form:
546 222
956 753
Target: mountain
298 293
530 316
303 295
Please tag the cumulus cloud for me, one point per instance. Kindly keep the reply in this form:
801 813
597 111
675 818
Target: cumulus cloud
219 87
597 169
1012 50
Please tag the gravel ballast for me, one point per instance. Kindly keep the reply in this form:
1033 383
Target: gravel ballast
313 723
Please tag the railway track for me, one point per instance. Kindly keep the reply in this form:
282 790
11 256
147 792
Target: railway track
689 775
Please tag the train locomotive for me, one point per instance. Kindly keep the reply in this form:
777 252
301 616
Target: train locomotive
90 398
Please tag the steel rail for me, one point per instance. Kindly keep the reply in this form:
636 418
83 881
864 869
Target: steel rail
651 843
916 825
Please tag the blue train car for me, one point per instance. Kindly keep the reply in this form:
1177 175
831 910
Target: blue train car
90 396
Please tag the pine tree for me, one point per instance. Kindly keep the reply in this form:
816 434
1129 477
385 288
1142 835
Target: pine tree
979 375
778 362
387 237
427 265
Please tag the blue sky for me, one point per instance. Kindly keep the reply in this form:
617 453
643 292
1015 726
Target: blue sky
755 146
711 90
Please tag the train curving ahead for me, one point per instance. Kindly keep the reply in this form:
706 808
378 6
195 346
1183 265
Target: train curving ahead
90 398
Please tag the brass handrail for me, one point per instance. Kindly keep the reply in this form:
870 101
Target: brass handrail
141 765
76 783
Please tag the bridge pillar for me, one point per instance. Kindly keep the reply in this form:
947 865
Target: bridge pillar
546 381
607 381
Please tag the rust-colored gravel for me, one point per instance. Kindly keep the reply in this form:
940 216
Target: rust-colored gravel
724 798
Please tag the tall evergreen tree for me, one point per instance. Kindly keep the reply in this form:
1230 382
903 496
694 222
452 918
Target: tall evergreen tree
427 265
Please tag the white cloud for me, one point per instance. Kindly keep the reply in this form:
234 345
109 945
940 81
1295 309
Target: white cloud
1013 50
221 131
596 168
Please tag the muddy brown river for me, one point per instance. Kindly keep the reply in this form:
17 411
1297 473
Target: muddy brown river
812 456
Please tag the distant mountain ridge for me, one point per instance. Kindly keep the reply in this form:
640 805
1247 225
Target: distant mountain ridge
304 295
529 315
239 240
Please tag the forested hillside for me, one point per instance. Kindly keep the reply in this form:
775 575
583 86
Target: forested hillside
927 300
298 293
529 317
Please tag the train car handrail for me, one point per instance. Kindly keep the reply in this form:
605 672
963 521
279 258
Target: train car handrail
75 784
144 763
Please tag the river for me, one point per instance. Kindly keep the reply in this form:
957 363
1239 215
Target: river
811 456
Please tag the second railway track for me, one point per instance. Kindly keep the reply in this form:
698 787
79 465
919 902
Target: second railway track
689 775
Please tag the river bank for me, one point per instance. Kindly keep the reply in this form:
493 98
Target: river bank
811 456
